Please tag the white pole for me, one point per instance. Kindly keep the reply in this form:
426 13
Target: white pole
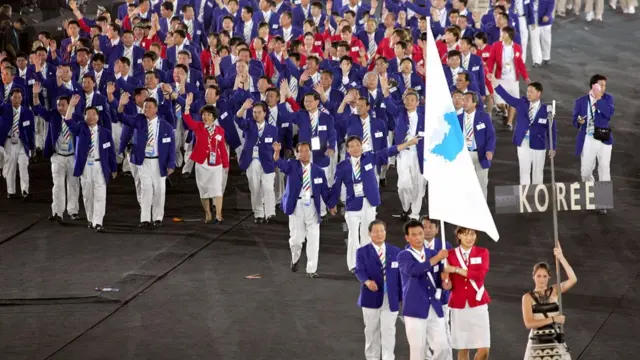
554 199
444 241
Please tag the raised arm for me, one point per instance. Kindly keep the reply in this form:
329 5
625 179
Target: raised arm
572 279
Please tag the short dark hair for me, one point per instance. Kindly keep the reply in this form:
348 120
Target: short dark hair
209 109
536 85
263 105
595 78
377 222
413 223
303 143
463 230
424 218
474 96
86 110
353 138
151 100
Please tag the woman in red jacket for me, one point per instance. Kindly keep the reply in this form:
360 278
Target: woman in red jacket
210 155
468 266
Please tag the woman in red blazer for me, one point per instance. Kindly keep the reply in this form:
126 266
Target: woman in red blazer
210 155
468 266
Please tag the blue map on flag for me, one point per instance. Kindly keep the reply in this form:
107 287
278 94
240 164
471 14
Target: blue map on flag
452 141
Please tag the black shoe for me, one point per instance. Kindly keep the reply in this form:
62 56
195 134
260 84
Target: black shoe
294 266
144 224
26 196
157 223
602 211
169 183
258 220
352 271
536 65
13 196
546 62
217 221
405 215
74 216
89 225
99 228
383 182
56 217
186 175
270 219
127 173
313 275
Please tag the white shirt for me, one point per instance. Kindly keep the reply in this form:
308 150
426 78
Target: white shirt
286 33
354 161
374 93
466 254
430 244
273 114
380 249
508 63
96 144
153 124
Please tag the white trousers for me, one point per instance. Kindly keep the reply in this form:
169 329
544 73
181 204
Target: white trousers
15 159
392 159
483 174
528 158
591 151
94 193
263 198
278 185
116 132
329 173
41 132
188 163
411 183
126 163
303 223
447 335
540 43
180 135
136 177
358 225
62 172
152 191
431 330
380 332
524 36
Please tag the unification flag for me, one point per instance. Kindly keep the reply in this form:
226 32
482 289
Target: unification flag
455 195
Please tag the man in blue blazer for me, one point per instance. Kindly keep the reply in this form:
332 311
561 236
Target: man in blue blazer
59 146
422 302
126 48
409 122
181 43
300 13
17 136
279 116
11 81
318 129
363 194
257 159
95 160
531 134
89 97
472 64
380 292
154 153
591 113
480 137
539 15
431 227
306 185
195 28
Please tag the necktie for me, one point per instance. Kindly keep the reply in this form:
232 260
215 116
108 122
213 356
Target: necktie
356 170
98 77
247 32
465 61
83 71
88 101
407 82
306 180
92 146
210 129
384 267
44 72
16 119
201 12
532 113
272 118
287 35
260 130
592 119
365 132
535 11
465 256
7 89
468 128
65 134
150 135
422 257
373 47
314 125
177 107
127 53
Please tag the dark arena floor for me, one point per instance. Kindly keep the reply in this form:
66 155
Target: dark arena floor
182 289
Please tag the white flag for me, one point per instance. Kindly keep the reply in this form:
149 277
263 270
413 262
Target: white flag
455 195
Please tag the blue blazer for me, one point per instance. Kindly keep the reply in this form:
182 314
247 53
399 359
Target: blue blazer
369 267
545 8
484 134
172 56
402 127
17 83
166 144
264 143
107 77
538 130
377 130
603 115
298 15
106 148
319 188
418 293
118 51
226 120
438 269
476 70
54 124
50 83
325 131
26 126
417 83
296 31
344 175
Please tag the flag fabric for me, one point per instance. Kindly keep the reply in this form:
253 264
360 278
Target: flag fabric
455 195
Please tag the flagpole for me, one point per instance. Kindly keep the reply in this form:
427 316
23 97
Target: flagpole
552 111
444 241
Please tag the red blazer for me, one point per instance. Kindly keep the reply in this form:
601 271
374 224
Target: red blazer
484 53
495 61
200 152
206 61
461 288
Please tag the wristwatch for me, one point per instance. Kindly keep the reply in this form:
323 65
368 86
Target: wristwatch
456 271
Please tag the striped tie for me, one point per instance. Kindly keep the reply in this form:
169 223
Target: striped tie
260 130
92 146
272 118
356 170
384 265
468 128
247 33
150 135
365 133
407 82
82 74
293 88
532 113
373 47
314 125
592 119
16 120
88 101
306 180
66 135
7 89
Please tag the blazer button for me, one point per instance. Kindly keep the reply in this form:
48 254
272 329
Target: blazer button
465 288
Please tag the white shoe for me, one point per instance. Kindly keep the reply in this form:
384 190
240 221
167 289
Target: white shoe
589 16
632 9
625 11
612 4
599 18
569 6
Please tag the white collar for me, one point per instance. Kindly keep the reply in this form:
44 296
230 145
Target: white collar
365 120
471 115
88 95
355 159
315 114
379 248
430 244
